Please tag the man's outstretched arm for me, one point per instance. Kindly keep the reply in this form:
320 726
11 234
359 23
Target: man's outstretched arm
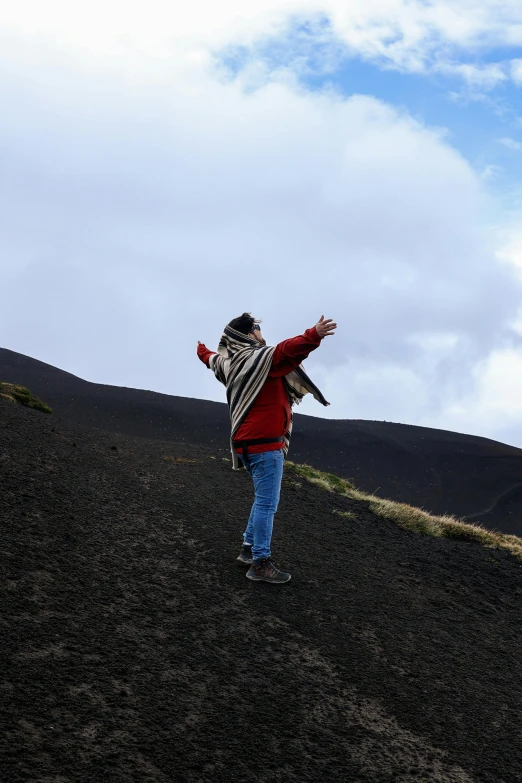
290 353
203 353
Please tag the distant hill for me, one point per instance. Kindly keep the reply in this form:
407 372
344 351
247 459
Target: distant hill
134 650
443 472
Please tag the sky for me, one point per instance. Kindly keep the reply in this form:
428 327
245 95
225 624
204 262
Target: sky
167 166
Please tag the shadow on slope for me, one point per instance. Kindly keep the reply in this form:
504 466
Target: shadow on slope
137 650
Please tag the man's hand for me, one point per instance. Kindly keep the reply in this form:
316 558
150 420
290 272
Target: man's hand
325 327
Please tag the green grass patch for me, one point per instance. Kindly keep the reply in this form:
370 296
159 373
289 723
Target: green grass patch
325 480
16 393
345 514
408 517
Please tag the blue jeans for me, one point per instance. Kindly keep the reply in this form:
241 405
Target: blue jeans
266 470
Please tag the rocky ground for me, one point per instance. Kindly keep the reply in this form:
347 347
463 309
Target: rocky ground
135 650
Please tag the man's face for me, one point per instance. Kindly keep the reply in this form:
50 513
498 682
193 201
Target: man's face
256 334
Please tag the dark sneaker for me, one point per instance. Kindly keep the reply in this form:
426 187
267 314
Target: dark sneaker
245 554
265 571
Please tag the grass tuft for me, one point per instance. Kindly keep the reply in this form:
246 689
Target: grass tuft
346 514
408 517
325 480
16 393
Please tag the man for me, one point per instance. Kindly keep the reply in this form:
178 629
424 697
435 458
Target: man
262 384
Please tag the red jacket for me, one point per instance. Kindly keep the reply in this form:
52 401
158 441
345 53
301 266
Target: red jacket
269 416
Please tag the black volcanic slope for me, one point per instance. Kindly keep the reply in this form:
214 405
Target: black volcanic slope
135 651
443 472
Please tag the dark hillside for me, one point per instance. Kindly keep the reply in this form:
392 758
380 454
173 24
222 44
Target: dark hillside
135 651
443 472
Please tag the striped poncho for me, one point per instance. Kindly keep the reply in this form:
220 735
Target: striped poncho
242 365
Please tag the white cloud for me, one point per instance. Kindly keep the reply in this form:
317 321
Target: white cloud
434 341
516 71
358 385
406 33
511 144
494 406
511 251
491 172
484 77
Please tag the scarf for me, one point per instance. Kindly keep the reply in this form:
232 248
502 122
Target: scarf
242 366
